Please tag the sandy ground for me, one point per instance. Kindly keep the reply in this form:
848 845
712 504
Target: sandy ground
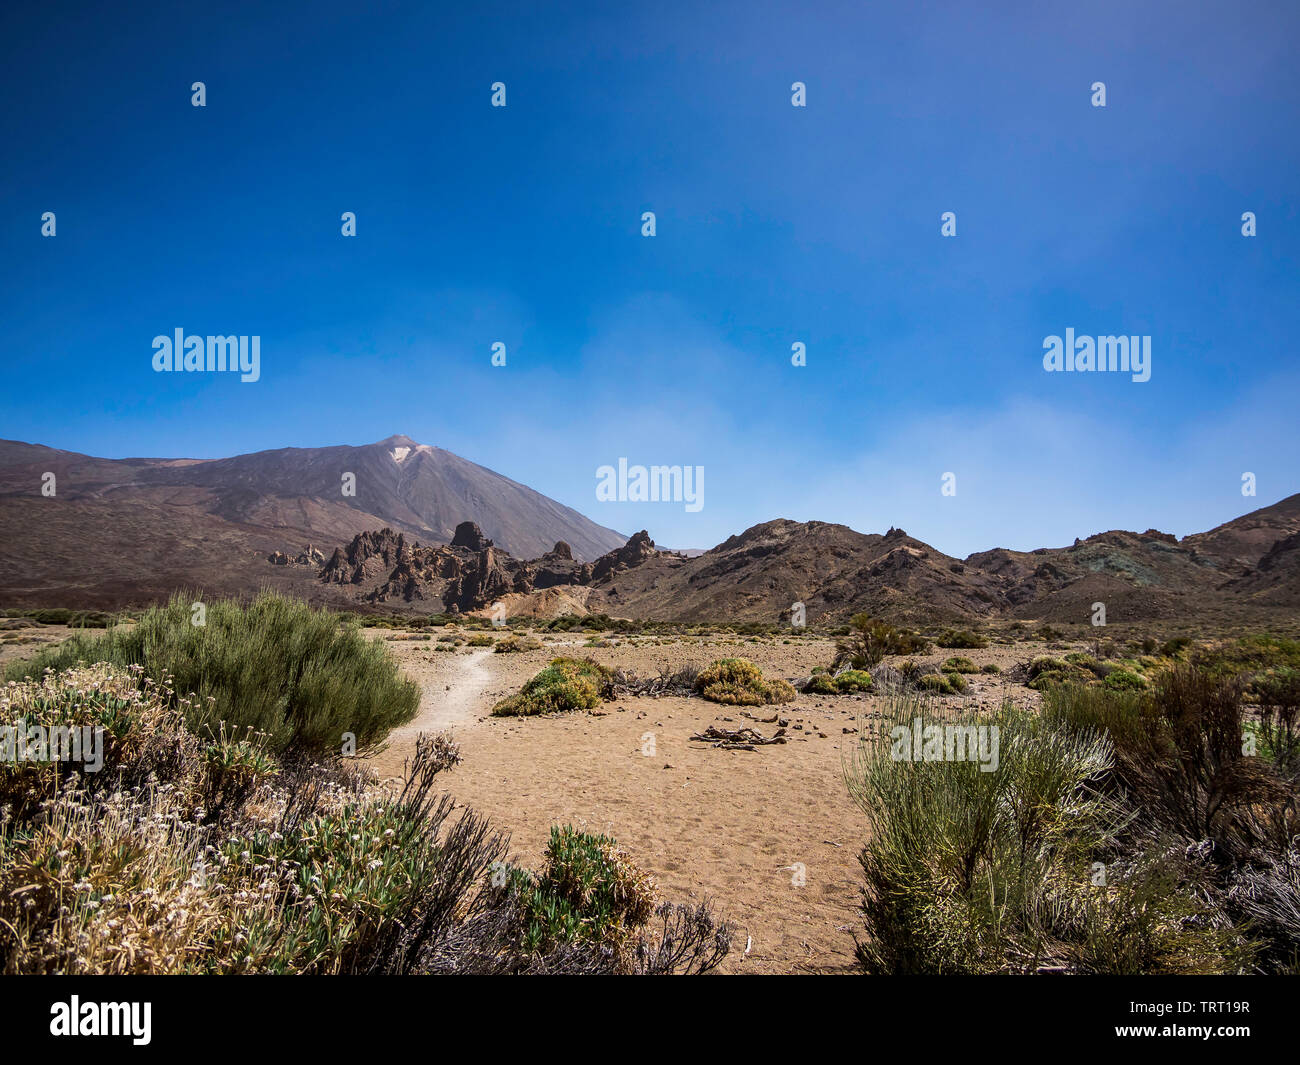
769 836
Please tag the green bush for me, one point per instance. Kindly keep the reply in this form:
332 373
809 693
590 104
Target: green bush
853 680
481 639
961 638
956 664
1087 663
565 684
517 643
1124 680
276 667
845 683
942 683
738 682
821 684
587 890
975 871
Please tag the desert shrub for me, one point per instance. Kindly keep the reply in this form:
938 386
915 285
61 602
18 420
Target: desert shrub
869 640
565 684
1278 694
957 664
275 666
961 638
326 875
821 684
1124 680
1046 672
941 683
1086 663
1174 647
1047 664
586 890
1179 757
991 667
517 643
975 871
738 682
909 669
844 683
481 639
852 680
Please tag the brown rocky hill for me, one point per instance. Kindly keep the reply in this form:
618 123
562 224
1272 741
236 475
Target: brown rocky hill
118 532
758 575
1244 541
831 569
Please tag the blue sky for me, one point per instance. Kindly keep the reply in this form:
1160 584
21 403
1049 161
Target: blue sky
775 224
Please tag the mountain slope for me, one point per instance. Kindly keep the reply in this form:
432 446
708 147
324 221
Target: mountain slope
119 531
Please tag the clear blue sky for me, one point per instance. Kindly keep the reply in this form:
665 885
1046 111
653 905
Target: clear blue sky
775 224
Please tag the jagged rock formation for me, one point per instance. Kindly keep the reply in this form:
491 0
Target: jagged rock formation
310 557
469 573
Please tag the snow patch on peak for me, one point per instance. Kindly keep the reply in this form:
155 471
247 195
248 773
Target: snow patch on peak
400 453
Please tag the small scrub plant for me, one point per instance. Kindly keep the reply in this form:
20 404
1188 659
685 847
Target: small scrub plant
517 643
845 683
1047 672
566 684
957 664
942 683
738 682
821 684
481 639
961 638
586 891
1124 680
869 640
853 680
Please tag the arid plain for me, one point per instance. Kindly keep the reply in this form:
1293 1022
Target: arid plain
737 827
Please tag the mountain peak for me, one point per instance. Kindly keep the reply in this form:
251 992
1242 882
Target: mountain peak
399 440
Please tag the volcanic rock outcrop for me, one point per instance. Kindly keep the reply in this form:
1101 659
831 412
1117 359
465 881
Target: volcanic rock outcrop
467 574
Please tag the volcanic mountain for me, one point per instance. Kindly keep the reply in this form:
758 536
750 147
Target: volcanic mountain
427 531
118 531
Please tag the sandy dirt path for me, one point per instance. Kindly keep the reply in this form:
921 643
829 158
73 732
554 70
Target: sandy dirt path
452 701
